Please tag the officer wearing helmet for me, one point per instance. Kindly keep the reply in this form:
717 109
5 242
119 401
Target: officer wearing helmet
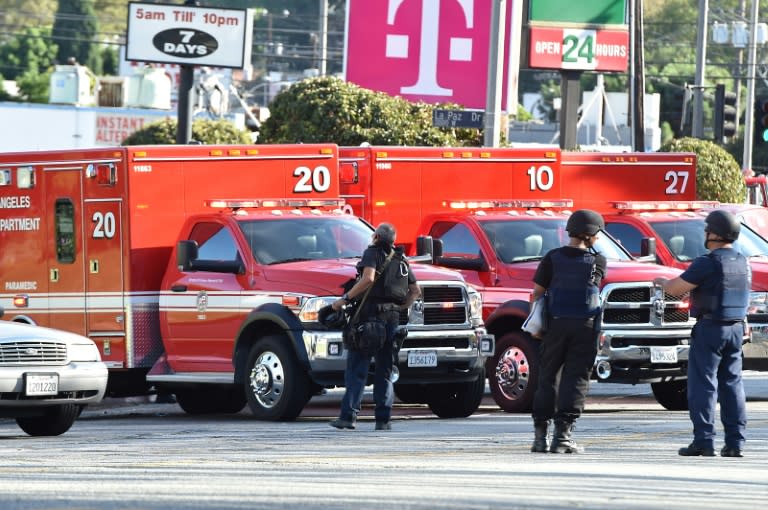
719 283
570 278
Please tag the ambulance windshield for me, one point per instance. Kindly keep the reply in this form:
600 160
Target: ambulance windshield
685 239
292 239
530 239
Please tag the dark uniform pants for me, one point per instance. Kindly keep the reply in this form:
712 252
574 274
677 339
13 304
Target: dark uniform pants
714 371
568 348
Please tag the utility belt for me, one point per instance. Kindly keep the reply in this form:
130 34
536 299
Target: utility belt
389 312
710 317
588 322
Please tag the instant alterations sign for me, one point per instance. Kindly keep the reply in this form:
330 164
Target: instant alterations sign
180 34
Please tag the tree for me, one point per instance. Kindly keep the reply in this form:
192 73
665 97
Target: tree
163 132
327 109
718 176
29 50
33 86
74 31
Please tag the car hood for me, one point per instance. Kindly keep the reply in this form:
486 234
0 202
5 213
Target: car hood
326 277
18 332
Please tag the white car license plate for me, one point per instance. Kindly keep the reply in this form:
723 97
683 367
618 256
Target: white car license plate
422 359
664 354
41 384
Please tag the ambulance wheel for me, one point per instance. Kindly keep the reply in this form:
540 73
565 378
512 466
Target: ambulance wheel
513 372
457 400
54 421
411 393
211 400
672 395
276 386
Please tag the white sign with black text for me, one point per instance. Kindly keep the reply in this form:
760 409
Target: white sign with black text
187 35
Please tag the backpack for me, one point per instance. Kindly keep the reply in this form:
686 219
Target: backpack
394 277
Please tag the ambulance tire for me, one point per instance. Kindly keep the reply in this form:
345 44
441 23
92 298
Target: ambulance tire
672 395
276 385
412 393
513 372
211 400
457 400
54 421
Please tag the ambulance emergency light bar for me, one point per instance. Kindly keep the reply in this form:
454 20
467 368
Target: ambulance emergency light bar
672 205
273 202
509 204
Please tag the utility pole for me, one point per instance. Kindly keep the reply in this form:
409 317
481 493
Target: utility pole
701 60
323 37
746 165
495 74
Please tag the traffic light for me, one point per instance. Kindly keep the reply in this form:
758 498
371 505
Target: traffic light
761 121
725 113
676 109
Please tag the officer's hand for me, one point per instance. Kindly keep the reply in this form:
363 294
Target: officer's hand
659 282
338 304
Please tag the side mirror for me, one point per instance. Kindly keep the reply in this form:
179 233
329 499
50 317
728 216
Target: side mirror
647 250
428 249
1 311
186 252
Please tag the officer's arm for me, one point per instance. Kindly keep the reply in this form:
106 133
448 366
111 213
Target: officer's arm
538 291
358 289
675 286
414 292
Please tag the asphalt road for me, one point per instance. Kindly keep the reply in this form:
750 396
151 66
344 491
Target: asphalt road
131 454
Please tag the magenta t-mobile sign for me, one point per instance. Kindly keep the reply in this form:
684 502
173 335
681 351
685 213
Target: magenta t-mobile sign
430 50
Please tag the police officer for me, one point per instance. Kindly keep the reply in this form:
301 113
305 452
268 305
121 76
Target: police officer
570 277
719 283
374 307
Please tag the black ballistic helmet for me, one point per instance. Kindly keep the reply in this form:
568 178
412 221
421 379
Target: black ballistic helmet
584 222
723 224
330 318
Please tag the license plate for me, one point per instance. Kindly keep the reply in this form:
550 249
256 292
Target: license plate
422 359
41 384
664 354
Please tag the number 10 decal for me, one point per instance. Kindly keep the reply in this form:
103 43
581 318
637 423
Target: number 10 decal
541 178
312 180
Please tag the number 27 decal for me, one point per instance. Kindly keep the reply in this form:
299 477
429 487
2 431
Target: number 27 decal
678 181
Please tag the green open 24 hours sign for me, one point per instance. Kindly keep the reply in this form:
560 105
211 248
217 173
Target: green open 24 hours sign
588 36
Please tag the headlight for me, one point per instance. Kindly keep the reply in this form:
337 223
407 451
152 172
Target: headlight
758 303
83 352
475 304
309 311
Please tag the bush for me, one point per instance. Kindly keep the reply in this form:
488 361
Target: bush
718 175
330 110
163 132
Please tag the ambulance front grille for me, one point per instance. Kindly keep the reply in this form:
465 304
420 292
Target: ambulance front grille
32 353
443 305
641 305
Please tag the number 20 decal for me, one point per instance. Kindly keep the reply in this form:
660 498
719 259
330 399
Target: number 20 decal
318 179
104 227
542 178
678 181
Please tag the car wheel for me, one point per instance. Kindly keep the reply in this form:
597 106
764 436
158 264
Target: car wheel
513 372
54 421
672 395
456 400
211 400
276 385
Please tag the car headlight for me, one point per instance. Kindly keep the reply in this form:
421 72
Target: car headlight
309 311
758 303
475 304
83 352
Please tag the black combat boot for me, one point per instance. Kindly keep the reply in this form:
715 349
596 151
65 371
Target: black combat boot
540 436
562 442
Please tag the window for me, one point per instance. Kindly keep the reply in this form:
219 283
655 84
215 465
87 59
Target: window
65 231
629 237
457 239
214 242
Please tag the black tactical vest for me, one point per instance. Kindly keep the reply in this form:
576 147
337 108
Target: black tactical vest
573 294
728 299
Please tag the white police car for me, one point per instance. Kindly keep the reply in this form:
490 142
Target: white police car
47 377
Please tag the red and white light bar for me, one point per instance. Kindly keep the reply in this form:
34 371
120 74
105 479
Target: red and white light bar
671 205
510 204
254 203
